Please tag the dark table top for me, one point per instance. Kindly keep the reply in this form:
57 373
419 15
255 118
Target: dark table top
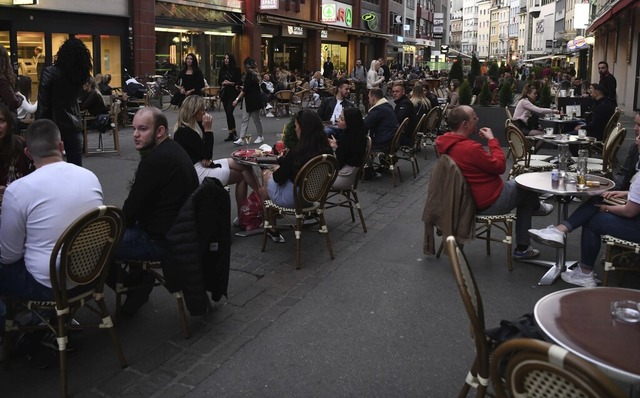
580 320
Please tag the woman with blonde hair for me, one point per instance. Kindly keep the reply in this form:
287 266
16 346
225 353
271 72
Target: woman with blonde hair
373 79
420 102
194 132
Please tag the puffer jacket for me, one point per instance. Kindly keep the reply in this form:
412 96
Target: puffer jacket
58 100
200 247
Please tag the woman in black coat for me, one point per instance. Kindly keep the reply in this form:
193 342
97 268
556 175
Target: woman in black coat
229 79
252 94
191 78
60 86
350 147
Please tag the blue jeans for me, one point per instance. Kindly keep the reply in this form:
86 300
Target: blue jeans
524 201
16 282
137 245
595 224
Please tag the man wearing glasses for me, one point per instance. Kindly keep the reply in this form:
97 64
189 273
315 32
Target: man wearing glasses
608 81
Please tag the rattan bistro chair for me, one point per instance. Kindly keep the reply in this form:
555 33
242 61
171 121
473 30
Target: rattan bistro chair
537 369
155 269
349 197
85 250
408 152
311 187
521 152
478 375
388 157
282 100
431 129
620 255
611 146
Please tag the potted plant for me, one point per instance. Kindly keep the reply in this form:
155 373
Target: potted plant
484 98
465 93
289 134
506 94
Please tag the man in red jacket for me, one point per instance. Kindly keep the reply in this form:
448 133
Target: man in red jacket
483 172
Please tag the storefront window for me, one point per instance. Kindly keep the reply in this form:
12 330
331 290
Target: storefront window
110 60
338 54
31 57
288 56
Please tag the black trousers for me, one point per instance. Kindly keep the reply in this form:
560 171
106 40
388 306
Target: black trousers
228 111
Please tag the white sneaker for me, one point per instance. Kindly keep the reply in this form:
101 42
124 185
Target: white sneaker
259 140
269 106
579 278
550 236
239 142
544 210
270 115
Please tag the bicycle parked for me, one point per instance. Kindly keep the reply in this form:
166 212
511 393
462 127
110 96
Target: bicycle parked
158 94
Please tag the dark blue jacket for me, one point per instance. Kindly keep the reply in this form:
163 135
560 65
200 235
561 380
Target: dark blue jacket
381 122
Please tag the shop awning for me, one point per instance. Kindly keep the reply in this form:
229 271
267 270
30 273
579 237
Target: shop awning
279 20
541 58
613 11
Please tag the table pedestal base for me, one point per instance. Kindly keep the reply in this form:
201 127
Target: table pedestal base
555 269
253 232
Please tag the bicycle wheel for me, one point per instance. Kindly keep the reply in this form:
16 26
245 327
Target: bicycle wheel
165 99
154 99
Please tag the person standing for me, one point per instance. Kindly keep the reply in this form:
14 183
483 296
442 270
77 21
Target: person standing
253 104
608 81
386 73
228 79
58 92
190 79
327 69
359 76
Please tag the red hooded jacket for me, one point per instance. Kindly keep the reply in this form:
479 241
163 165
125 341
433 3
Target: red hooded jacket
483 170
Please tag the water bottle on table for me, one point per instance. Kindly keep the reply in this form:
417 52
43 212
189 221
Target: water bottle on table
563 159
583 155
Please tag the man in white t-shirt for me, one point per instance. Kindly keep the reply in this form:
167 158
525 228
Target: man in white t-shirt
36 209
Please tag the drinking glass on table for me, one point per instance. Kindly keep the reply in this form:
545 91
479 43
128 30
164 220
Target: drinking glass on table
247 139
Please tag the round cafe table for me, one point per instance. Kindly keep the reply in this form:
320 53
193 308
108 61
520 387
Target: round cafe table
559 125
580 320
563 190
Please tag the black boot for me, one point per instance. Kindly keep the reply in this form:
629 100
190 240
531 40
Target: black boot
232 135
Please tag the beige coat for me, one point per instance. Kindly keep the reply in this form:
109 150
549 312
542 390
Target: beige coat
449 208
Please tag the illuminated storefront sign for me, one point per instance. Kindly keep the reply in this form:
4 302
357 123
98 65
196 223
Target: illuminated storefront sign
371 21
269 4
339 14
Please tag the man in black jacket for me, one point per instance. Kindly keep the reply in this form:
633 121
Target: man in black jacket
163 181
404 109
603 109
607 81
331 107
